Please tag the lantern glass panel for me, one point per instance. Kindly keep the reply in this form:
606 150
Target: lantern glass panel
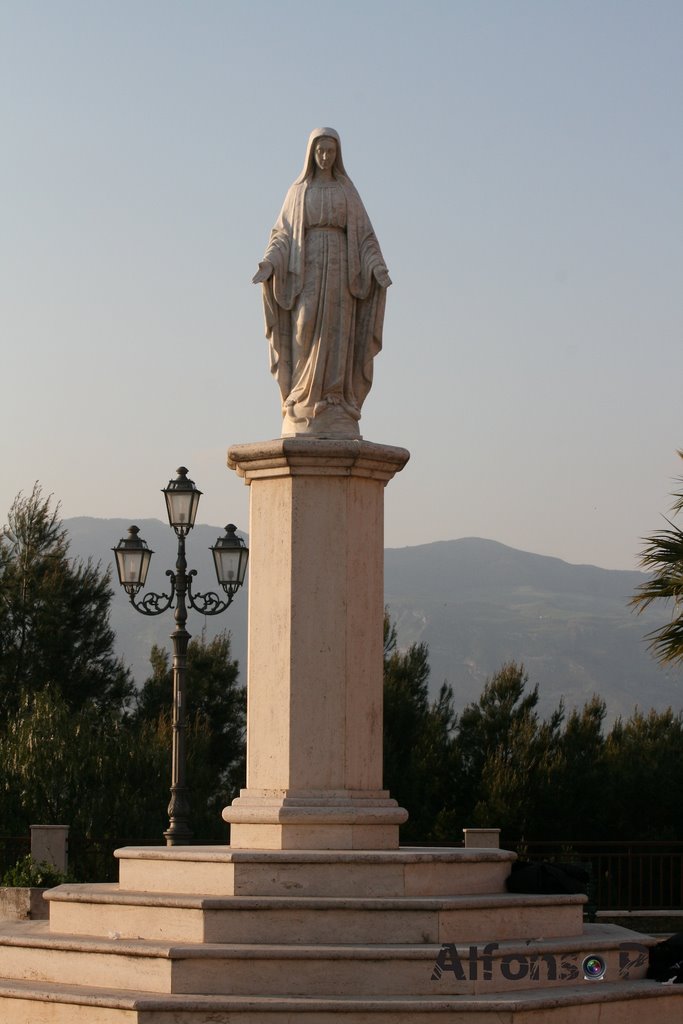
230 557
182 502
132 560
182 508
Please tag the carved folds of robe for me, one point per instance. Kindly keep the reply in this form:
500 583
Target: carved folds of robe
323 306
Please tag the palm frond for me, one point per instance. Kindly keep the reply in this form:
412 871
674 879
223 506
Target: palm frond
666 643
663 553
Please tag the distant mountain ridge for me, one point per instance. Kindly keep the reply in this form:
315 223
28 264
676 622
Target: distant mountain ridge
476 603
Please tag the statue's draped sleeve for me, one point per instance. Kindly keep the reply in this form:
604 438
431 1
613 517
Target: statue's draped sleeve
365 256
285 252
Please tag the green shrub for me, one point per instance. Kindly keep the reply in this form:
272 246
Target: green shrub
28 873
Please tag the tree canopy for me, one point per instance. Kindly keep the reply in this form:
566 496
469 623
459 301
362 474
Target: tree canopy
499 764
54 614
418 749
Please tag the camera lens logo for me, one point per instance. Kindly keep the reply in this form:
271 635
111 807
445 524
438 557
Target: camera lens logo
594 967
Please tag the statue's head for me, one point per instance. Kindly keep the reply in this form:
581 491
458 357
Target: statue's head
323 144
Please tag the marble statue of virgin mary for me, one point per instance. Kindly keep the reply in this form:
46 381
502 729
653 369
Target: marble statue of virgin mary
324 290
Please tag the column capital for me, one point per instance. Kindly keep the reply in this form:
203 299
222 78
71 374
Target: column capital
299 456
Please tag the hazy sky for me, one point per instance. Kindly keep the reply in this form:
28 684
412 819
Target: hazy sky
522 163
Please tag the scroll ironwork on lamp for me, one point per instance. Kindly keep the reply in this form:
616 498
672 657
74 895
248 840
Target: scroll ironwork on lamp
133 557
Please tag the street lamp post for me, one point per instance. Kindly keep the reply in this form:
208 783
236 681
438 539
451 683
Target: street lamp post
133 557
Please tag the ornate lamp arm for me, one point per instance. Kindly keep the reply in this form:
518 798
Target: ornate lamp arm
209 603
155 604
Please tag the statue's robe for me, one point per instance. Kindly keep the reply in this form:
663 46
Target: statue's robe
324 309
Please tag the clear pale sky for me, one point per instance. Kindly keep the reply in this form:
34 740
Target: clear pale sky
522 163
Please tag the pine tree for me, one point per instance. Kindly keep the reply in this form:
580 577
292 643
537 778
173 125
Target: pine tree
418 746
54 615
640 795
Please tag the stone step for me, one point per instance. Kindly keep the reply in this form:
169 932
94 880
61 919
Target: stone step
108 910
222 871
32 952
641 1002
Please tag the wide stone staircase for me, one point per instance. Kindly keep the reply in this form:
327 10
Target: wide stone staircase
213 935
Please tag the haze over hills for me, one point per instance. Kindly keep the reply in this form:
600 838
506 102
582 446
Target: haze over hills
476 603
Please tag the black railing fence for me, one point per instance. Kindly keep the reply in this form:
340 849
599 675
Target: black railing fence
633 876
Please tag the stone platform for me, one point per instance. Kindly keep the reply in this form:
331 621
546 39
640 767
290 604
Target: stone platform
211 935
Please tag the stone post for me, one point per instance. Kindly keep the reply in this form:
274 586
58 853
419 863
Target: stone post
316 606
50 843
482 838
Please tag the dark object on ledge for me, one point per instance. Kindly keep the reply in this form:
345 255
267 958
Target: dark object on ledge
666 961
546 878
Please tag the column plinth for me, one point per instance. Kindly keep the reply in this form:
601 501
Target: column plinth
315 680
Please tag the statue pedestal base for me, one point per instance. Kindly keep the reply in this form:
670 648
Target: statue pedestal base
306 821
316 607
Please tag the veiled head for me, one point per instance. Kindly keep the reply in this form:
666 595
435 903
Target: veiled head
310 162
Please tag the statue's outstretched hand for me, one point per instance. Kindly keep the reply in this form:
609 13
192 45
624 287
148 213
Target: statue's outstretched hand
265 270
382 277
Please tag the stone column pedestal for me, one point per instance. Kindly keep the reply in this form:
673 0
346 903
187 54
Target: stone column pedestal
316 606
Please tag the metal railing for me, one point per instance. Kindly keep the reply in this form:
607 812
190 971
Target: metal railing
633 876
